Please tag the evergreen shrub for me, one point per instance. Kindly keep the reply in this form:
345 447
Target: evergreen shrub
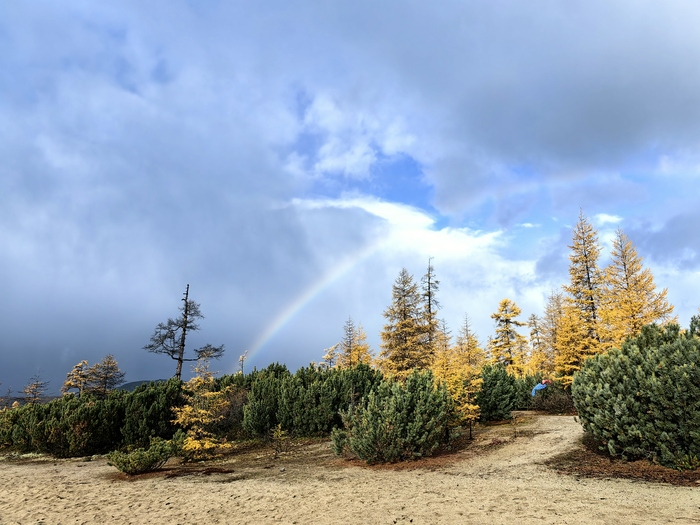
260 413
396 421
498 395
143 460
149 412
524 386
311 401
555 399
643 400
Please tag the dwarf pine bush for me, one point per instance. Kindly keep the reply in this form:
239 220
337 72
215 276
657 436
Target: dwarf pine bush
397 421
498 395
643 400
143 460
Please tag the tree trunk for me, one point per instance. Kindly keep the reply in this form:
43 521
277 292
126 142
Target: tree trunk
181 349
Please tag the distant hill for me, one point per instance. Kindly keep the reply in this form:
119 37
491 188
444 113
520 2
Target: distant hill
133 385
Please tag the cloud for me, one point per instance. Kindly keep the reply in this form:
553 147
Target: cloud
250 149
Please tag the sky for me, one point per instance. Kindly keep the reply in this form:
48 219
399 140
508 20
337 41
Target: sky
288 159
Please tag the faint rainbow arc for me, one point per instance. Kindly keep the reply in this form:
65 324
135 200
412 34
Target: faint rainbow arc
307 295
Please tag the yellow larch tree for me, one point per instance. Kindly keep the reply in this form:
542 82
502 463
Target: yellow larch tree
353 348
403 337
203 408
430 306
550 326
508 346
630 299
538 360
579 333
459 367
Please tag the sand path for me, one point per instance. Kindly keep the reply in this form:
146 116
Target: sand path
508 485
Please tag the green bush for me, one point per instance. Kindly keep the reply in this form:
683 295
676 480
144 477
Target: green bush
643 400
554 399
523 388
148 412
142 460
260 413
312 399
65 427
498 394
397 421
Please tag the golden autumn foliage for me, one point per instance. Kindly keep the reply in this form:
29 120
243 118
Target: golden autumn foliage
508 347
353 349
459 367
204 408
630 299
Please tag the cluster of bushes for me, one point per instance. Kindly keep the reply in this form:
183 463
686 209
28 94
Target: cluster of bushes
501 393
87 425
643 400
306 403
373 418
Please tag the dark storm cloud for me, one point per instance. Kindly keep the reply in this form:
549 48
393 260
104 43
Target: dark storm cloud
146 145
675 243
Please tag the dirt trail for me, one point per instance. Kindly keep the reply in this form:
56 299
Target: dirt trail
504 483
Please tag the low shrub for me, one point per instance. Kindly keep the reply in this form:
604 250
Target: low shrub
143 460
397 421
554 399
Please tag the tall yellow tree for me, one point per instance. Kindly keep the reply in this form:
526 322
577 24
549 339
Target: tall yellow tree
507 346
579 333
459 367
550 326
630 299
403 347
353 348
538 360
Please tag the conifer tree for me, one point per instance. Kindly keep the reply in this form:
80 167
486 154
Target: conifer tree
204 407
507 346
77 378
579 333
550 323
35 390
104 376
402 337
429 288
330 356
169 338
353 348
630 299
538 358
468 346
586 279
98 379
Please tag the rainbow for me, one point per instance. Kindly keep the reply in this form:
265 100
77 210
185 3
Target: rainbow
308 295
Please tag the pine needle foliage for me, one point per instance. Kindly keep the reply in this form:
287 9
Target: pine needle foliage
397 421
508 347
643 400
629 299
353 349
403 337
498 395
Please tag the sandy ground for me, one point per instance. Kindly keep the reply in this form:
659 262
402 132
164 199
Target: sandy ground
503 483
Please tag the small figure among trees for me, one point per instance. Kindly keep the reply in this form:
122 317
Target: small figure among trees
169 338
